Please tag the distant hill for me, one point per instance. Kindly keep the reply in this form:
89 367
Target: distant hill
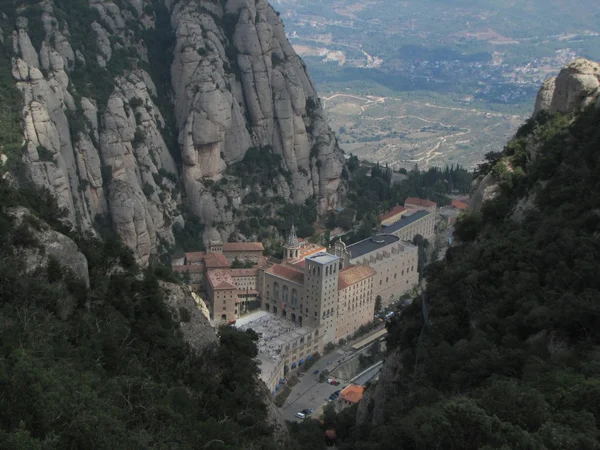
482 56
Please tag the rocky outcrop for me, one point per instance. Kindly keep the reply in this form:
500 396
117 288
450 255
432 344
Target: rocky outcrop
99 157
95 137
238 83
50 243
575 87
196 328
486 188
275 419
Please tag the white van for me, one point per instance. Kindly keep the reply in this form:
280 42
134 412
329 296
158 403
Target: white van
300 415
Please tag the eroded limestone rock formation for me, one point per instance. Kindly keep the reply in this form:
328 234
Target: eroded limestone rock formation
575 87
95 137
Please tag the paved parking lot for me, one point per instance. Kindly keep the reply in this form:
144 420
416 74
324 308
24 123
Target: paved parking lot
309 393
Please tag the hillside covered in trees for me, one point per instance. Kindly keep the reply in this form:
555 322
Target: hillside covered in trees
503 349
108 367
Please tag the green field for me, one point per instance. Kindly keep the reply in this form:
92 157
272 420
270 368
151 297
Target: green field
403 132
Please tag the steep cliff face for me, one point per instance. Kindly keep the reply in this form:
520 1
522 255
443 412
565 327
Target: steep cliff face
125 114
194 326
238 83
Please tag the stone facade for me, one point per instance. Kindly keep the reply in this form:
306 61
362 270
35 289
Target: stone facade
241 251
393 260
420 222
222 294
227 290
355 303
282 291
306 289
321 292
418 217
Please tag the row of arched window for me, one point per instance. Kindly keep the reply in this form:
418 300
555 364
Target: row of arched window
285 294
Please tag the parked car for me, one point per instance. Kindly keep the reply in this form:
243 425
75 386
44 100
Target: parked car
307 411
336 383
331 381
300 415
333 397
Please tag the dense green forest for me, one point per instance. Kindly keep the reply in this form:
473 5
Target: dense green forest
374 190
503 349
106 367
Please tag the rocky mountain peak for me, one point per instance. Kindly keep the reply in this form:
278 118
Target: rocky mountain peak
132 111
575 87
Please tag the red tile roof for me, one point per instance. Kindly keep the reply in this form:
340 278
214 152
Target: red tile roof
287 272
243 247
353 275
220 279
194 257
216 260
397 210
419 202
300 264
243 272
459 205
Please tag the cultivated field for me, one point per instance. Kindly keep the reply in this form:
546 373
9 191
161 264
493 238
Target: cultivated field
404 132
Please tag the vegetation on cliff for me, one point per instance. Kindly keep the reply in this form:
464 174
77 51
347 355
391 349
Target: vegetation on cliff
508 355
374 189
106 367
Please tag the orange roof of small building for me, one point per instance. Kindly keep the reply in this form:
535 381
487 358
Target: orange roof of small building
243 247
459 205
194 257
192 268
243 272
353 275
216 260
353 393
287 272
220 279
391 213
420 202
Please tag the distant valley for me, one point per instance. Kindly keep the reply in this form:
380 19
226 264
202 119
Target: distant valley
434 82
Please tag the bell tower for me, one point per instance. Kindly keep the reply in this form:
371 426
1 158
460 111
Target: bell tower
291 248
